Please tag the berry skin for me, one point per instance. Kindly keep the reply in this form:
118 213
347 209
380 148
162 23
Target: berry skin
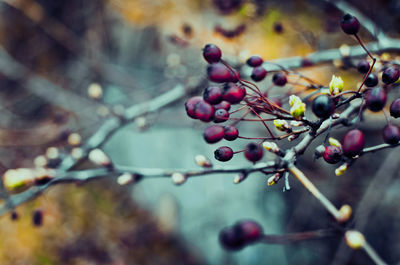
253 152
254 61
332 154
323 106
375 99
219 73
390 75
258 73
233 93
353 142
211 53
231 133
279 79
391 134
223 105
363 66
250 231
221 115
204 111
223 153
350 24
231 239
213 133
190 105
372 80
212 94
395 108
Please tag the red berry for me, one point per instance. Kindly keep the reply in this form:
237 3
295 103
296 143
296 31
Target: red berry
390 75
204 111
395 108
221 115
190 105
233 93
353 142
223 105
363 66
231 133
213 94
254 61
375 99
391 134
258 73
332 154
250 231
231 239
253 152
323 106
211 53
372 80
349 24
213 133
223 153
279 79
219 73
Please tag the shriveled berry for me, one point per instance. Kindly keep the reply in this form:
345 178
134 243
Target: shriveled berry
204 111
353 142
279 79
233 93
249 230
213 94
395 108
390 75
219 73
363 66
258 73
231 239
211 53
372 80
254 61
221 115
213 133
223 105
223 153
37 217
323 106
332 154
375 99
231 133
391 134
350 24
253 152
190 105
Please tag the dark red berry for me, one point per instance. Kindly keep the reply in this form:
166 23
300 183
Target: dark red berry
349 24
233 93
190 105
219 73
213 94
278 27
213 133
306 62
211 53
375 99
279 79
363 66
221 115
14 216
231 133
223 153
250 231
37 217
258 73
395 108
204 111
332 154
372 80
323 106
254 61
353 142
391 134
253 152
390 75
223 105
231 239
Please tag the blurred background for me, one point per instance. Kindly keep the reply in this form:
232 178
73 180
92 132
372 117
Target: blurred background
54 55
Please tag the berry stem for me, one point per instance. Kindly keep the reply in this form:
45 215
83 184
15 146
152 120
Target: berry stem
295 237
371 56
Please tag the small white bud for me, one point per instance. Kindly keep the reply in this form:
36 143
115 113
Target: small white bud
178 178
202 161
125 179
98 157
95 91
354 239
